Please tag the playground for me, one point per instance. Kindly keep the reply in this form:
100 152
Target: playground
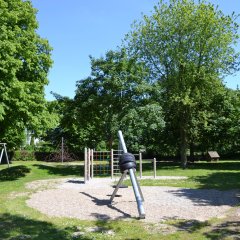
175 200
76 73
72 198
192 203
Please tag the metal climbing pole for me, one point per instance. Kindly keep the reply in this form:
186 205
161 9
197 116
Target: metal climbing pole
127 164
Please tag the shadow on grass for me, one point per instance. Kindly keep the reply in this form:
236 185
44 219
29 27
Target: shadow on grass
15 227
189 225
211 186
220 180
219 165
224 230
62 170
14 173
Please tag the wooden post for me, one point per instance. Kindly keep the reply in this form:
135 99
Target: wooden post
85 164
112 164
140 164
62 150
88 165
91 163
154 168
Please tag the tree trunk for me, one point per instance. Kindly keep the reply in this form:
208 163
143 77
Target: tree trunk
191 147
32 140
183 147
110 142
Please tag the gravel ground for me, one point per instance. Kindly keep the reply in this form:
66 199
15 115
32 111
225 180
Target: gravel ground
73 198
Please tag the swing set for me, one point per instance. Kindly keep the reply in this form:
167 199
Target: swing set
4 150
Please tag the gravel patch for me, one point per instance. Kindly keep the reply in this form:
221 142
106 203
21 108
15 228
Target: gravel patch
44 184
72 198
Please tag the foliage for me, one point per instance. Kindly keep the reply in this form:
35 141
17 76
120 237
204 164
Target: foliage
164 89
24 64
222 132
188 46
23 155
143 126
115 96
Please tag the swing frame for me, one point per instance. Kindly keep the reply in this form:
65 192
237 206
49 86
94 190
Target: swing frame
4 150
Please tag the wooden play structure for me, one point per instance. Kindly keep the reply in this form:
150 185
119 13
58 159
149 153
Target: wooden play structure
106 163
101 163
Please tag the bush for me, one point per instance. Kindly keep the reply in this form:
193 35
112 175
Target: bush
24 155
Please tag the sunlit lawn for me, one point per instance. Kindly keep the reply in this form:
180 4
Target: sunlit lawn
18 221
222 175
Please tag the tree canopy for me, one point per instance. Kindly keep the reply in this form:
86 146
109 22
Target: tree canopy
115 96
188 48
164 87
24 63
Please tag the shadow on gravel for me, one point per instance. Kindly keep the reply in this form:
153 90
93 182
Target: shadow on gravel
212 189
204 197
14 173
105 202
76 181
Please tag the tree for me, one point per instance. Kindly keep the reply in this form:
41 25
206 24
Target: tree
116 85
189 47
143 126
24 64
223 131
114 97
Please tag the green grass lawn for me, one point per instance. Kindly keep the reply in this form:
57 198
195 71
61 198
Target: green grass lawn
18 221
222 175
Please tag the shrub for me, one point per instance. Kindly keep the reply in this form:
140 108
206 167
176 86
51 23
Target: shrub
24 155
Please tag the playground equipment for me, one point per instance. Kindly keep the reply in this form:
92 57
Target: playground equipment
101 163
127 164
106 163
4 150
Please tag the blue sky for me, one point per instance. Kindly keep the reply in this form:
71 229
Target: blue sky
79 28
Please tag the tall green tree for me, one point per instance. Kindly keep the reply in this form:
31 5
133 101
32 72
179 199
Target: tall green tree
143 126
223 130
116 85
116 96
24 64
189 47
